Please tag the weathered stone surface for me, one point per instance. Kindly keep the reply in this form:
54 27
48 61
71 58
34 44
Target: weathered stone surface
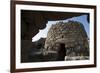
33 21
70 36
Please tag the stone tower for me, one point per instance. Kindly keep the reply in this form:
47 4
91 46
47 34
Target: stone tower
68 40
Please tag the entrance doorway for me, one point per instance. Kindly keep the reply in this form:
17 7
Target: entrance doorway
61 52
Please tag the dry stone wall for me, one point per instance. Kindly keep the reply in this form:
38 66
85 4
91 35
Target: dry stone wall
72 34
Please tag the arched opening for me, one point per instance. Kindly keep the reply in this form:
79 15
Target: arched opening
61 52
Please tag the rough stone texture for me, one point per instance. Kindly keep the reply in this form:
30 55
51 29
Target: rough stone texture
70 36
33 21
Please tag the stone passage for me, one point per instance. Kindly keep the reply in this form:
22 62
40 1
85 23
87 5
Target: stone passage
68 41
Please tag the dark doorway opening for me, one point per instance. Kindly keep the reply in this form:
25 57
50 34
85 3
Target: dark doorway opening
61 52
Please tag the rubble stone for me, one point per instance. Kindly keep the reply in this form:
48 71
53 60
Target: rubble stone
71 35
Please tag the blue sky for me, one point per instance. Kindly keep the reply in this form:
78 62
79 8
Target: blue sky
43 33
